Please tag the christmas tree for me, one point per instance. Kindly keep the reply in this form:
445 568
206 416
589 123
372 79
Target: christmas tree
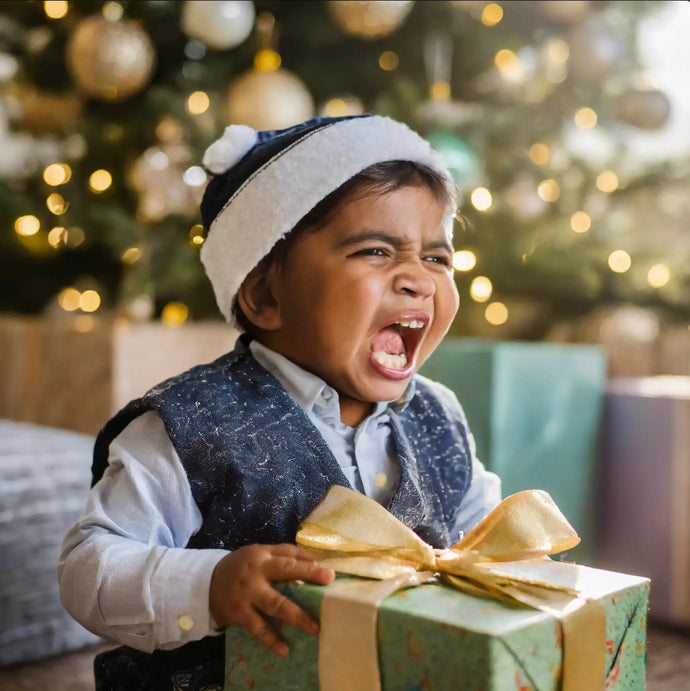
106 109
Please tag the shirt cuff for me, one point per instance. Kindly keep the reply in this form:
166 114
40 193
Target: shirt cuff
181 583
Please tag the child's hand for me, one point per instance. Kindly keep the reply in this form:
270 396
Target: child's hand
241 591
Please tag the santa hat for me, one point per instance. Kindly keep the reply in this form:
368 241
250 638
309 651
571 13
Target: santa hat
264 183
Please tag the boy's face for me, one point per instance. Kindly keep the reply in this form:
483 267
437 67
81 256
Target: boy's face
364 300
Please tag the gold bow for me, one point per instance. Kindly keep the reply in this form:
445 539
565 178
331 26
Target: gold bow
504 557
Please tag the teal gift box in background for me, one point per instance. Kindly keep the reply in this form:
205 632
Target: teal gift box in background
435 637
535 411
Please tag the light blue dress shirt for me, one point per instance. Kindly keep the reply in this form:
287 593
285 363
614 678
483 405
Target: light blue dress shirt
123 570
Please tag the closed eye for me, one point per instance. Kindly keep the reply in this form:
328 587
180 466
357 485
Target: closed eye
371 252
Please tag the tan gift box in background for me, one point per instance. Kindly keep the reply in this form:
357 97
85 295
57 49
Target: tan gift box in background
55 373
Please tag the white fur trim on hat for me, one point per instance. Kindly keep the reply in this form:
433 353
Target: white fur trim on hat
272 201
229 149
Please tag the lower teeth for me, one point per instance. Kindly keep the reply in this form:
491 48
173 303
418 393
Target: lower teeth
390 361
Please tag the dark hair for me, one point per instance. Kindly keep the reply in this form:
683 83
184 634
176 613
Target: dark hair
379 178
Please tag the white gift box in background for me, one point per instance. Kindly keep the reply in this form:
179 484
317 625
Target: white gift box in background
645 488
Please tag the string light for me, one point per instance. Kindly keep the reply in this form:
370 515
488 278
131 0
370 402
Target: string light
549 190
481 198
464 260
113 11
505 59
539 153
492 14
586 118
196 234
496 313
57 174
89 301
335 108
68 299
27 225
55 9
619 261
56 204
481 289
174 314
57 236
439 91
658 276
198 103
558 50
131 255
100 180
75 236
389 61
607 181
580 222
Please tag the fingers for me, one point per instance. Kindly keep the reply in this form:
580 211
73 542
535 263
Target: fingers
291 568
275 604
257 626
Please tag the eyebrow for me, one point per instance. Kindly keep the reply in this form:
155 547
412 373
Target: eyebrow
393 240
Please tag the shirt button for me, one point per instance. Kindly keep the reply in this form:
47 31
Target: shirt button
185 622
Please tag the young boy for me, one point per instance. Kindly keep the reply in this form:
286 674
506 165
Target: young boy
330 245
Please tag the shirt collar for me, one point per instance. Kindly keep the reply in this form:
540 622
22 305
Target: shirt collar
312 393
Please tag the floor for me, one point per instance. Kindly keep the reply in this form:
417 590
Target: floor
668 667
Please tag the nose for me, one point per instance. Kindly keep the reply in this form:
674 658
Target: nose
412 278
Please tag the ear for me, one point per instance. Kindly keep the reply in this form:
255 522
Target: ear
257 300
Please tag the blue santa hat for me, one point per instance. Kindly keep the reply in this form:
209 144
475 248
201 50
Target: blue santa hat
264 183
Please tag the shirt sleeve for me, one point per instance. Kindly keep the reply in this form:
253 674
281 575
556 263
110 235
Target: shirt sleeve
124 572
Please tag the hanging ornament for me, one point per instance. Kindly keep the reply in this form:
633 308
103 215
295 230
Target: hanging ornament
596 48
158 177
110 60
45 112
566 10
369 20
458 156
219 25
648 109
268 97
440 110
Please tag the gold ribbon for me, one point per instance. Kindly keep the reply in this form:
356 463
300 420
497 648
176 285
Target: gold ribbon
504 556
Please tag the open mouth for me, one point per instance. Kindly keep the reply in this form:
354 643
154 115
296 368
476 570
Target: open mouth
394 347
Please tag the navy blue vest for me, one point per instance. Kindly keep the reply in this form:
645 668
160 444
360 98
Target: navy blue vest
257 466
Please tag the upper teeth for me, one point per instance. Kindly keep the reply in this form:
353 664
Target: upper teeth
414 324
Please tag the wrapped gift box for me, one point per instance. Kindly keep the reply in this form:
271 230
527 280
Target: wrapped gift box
645 488
76 374
435 637
534 410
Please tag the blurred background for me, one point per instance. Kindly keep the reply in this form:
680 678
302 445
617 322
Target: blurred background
566 126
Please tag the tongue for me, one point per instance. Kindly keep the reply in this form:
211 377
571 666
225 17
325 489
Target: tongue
389 341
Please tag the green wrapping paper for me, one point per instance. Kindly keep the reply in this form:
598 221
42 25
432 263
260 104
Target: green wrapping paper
433 637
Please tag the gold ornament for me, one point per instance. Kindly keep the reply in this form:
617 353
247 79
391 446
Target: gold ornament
268 100
110 60
158 177
46 112
370 19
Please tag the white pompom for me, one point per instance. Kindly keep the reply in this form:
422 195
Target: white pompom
229 149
